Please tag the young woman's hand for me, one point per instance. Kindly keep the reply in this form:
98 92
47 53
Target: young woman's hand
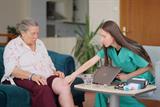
70 79
122 76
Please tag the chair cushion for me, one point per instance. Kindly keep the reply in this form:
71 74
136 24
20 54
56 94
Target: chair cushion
2 99
1 62
16 96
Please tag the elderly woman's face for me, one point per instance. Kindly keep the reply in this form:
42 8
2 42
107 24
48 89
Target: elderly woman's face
31 35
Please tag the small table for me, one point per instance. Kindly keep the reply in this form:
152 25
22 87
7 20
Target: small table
115 93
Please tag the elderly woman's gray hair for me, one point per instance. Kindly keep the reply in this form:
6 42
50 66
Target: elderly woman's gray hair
25 24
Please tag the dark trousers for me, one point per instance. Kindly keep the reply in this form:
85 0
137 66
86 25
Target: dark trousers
41 95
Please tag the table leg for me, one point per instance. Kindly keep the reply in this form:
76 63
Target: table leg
114 101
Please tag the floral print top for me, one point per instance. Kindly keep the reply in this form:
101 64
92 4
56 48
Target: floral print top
18 54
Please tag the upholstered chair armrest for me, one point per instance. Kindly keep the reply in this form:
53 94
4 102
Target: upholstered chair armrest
3 99
15 96
157 73
62 62
154 95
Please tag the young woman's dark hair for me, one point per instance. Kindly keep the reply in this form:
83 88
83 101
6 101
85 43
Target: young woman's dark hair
112 28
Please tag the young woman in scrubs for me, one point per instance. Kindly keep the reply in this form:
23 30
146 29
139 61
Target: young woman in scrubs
122 52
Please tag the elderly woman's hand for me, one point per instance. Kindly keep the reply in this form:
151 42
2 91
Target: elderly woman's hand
59 74
40 80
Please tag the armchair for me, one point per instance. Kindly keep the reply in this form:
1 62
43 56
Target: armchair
14 96
153 52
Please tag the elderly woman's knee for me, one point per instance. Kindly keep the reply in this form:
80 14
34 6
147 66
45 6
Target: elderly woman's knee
66 87
60 86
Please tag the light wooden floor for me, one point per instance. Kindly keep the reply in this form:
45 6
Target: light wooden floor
89 101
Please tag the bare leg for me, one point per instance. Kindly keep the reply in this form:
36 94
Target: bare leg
62 89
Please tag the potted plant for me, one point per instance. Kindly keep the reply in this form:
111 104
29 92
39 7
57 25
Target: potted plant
12 30
84 50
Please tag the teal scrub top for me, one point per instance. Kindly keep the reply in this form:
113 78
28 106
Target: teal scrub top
128 61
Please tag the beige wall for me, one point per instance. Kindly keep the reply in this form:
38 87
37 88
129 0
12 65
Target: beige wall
60 44
103 10
10 13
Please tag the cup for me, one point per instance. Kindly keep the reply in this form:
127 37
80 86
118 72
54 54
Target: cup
87 78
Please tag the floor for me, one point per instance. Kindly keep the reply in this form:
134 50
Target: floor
89 101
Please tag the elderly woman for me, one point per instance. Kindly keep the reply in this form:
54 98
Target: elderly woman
28 64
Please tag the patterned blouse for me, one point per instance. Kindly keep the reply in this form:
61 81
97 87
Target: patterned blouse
18 54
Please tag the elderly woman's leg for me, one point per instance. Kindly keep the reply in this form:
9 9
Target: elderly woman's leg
61 88
41 95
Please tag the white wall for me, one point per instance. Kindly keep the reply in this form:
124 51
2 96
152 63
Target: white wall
103 10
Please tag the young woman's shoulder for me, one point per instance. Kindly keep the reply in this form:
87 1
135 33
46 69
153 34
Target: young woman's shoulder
126 50
131 53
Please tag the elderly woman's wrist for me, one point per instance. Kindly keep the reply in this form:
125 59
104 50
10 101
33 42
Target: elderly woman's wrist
31 76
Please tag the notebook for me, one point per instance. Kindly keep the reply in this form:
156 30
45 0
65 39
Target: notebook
105 75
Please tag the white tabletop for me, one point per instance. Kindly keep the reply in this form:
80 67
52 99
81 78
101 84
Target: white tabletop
111 90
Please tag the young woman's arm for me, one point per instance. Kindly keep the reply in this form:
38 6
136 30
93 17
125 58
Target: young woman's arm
139 71
83 68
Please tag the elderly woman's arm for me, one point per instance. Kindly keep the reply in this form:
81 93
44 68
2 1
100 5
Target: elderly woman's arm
19 73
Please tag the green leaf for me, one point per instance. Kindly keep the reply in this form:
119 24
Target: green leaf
84 50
